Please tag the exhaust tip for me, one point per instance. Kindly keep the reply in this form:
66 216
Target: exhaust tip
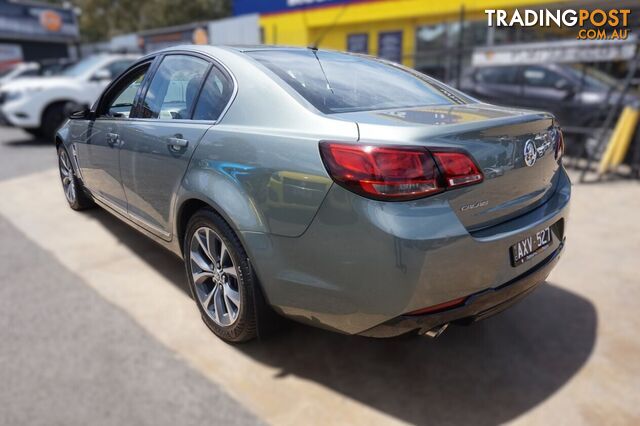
436 331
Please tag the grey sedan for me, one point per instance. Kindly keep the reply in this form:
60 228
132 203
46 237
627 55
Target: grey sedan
338 190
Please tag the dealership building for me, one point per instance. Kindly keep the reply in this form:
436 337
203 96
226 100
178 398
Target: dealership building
31 31
437 37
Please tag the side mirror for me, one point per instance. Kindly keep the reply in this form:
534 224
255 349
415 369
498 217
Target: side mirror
79 112
102 75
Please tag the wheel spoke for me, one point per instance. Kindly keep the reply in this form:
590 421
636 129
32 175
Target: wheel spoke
232 295
69 192
223 252
229 306
217 303
200 262
204 244
207 300
230 270
200 277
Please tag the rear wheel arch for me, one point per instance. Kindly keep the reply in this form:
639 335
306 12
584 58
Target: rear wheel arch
190 207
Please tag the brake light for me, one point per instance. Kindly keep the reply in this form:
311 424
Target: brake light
458 169
396 173
559 143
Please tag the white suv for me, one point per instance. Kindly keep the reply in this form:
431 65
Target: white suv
40 105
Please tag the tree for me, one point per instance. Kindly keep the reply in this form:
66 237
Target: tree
102 19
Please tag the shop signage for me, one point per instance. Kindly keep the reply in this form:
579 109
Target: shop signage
243 7
555 52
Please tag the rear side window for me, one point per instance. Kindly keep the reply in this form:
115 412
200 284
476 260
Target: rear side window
173 91
214 97
337 82
497 75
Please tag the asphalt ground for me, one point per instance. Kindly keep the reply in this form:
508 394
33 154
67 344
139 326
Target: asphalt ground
97 327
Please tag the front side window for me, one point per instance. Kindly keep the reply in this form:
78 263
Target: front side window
121 102
541 77
173 91
336 82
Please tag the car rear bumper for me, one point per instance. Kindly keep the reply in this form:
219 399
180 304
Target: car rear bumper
363 263
475 307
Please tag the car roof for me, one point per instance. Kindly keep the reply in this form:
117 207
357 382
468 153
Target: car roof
212 49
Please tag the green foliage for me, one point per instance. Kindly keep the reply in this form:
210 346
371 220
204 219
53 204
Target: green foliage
103 19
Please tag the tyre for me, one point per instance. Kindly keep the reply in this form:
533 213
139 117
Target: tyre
72 186
36 133
52 118
220 277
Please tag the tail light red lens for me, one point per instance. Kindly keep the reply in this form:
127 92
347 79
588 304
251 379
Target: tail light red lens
559 143
382 172
396 173
458 169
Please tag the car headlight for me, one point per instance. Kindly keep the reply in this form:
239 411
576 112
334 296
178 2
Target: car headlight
12 96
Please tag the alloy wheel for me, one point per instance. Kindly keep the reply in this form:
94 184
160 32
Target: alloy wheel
66 174
215 277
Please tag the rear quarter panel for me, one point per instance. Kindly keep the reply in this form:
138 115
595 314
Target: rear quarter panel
260 166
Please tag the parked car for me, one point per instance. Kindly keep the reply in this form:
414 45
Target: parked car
16 71
338 190
41 104
575 95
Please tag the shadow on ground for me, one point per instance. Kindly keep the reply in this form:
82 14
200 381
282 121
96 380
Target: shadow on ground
484 374
29 141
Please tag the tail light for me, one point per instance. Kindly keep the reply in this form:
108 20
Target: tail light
397 173
559 143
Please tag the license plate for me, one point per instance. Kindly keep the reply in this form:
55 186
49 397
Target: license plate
526 249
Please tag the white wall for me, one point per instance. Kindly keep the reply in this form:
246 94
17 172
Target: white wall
243 29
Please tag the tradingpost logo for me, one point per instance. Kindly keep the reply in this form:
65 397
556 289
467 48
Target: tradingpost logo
596 24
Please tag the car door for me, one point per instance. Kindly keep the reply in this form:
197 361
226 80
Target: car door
159 141
547 90
98 152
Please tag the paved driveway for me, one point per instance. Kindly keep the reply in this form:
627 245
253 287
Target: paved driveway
96 326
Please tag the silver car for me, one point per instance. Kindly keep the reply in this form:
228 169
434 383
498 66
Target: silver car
334 189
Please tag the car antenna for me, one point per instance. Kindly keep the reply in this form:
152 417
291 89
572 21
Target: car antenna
315 53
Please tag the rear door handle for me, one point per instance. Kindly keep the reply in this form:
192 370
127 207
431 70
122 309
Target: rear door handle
178 143
113 138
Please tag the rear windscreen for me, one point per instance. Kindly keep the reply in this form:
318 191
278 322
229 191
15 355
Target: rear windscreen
337 82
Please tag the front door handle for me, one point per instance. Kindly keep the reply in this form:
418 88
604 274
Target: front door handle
178 143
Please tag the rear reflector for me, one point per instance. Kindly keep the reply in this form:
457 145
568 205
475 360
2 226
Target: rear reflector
439 307
397 173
